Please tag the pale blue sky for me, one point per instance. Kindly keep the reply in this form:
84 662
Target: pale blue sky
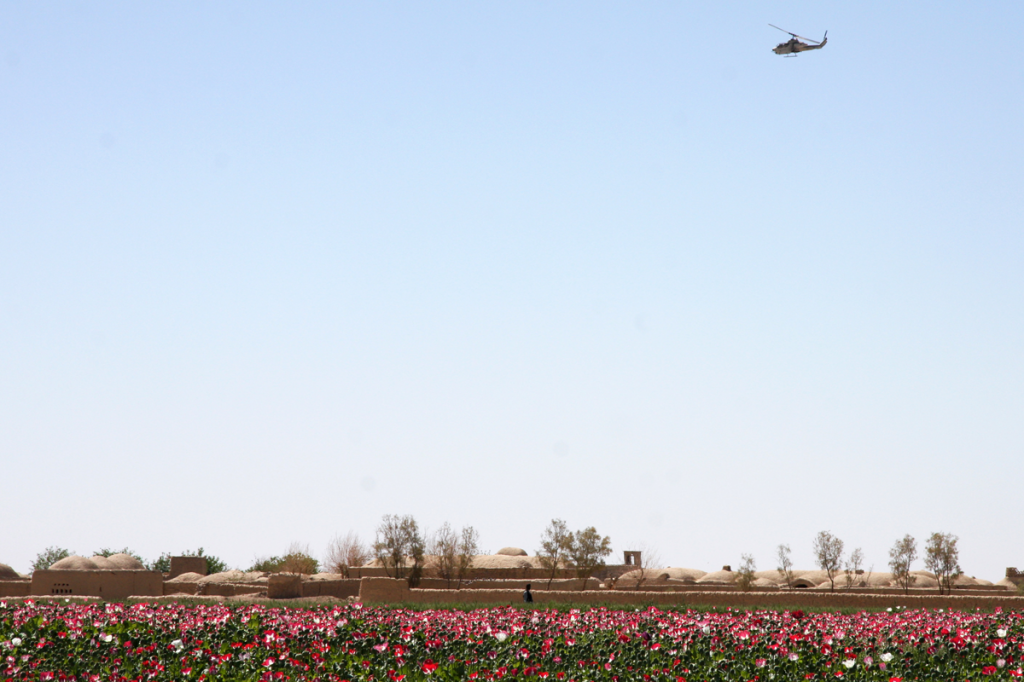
269 272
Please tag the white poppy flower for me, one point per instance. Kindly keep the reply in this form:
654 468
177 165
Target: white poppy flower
886 657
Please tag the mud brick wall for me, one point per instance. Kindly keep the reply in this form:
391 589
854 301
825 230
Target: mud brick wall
187 564
390 591
15 588
331 588
108 584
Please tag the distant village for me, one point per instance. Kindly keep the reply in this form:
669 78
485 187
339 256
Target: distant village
570 566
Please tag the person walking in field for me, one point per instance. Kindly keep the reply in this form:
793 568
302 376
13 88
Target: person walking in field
528 596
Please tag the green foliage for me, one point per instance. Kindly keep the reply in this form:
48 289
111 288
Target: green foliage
587 551
853 567
901 557
293 562
554 547
745 575
785 567
942 557
110 552
453 553
469 547
398 541
300 562
48 557
444 549
213 564
828 551
267 564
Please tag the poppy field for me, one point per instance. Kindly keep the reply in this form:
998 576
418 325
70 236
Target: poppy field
117 642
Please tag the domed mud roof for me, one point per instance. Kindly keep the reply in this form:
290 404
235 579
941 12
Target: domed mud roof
186 578
74 563
718 577
126 562
512 551
104 563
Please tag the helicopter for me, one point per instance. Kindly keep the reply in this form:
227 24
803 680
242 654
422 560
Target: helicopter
794 44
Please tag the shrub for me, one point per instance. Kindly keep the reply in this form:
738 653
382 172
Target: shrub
297 560
267 564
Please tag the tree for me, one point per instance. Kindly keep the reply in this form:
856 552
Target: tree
398 542
853 566
469 547
48 557
110 552
587 550
901 556
265 564
785 567
828 551
213 564
554 548
444 548
745 579
942 558
417 553
344 553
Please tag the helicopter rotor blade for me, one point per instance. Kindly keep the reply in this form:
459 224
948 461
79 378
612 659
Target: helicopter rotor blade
810 40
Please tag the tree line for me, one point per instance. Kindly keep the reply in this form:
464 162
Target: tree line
942 557
402 549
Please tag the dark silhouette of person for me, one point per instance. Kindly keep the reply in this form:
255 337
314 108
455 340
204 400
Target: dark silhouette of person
527 596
